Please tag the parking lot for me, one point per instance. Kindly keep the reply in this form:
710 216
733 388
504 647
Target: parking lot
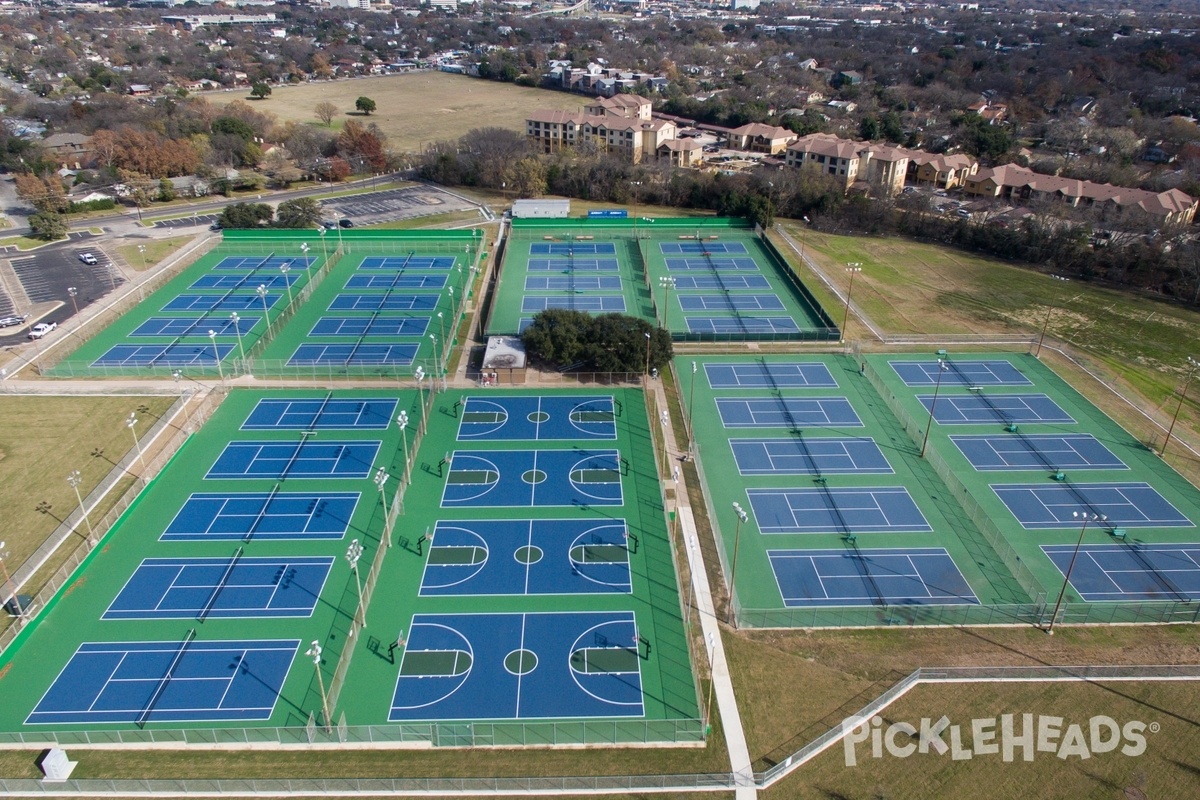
392 204
47 276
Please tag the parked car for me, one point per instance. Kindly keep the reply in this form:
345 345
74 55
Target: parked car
41 329
329 224
8 322
216 226
88 258
346 223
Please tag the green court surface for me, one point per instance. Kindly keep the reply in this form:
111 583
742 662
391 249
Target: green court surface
248 634
702 279
821 471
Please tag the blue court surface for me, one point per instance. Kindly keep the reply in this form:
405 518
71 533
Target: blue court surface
578 302
524 556
722 282
787 412
710 263
672 248
316 413
280 282
884 509
269 263
1052 505
384 302
962 373
722 302
533 418
370 326
919 576
201 588
305 459
519 666
186 681
220 302
573 264
401 355
162 355
572 283
1015 451
572 248
979 408
215 516
407 262
741 325
1131 571
180 327
396 282
520 478
762 374
806 455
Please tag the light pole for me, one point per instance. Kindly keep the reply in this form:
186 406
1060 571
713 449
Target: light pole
742 516
433 338
142 247
942 367
854 267
284 269
667 282
8 581
665 418
73 480
647 358
353 554
1192 365
381 478
419 375
130 423
691 397
261 291
324 250
402 421
442 333
1042 336
691 582
74 292
212 335
187 413
675 516
712 647
314 652
1085 518
237 328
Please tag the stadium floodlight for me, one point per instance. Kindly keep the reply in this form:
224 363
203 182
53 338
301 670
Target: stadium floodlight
73 480
942 367
742 516
131 423
353 554
667 282
1192 365
314 652
854 267
1084 517
237 328
402 421
381 479
16 600
212 335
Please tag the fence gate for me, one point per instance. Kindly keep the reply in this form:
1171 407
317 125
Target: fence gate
455 735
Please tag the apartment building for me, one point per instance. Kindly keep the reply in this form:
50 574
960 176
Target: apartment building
621 124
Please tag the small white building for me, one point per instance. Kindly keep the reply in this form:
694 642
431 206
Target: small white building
503 362
541 209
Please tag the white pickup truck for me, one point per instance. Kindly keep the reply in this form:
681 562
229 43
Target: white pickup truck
41 329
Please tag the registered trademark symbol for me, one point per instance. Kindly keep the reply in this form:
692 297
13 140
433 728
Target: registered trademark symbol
1155 727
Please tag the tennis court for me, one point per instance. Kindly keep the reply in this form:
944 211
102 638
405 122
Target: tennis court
573 264
313 414
801 455
787 412
900 576
1018 451
572 283
407 262
722 282
743 325
303 459
538 418
396 282
188 681
214 516
163 355
841 510
713 264
568 665
701 246
221 302
962 373
979 408
182 327
344 355
572 248
597 303
235 587
519 478
733 302
375 325
769 375
256 263
384 302
528 557
1129 571
1054 505
280 282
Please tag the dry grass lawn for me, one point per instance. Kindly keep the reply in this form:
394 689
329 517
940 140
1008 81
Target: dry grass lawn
417 108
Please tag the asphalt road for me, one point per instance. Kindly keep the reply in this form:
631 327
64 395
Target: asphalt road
48 273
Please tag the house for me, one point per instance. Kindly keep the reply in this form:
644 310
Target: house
992 113
849 77
886 167
140 89
680 152
760 138
939 170
72 150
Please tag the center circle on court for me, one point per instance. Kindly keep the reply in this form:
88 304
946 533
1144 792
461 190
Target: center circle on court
538 417
520 662
529 554
533 476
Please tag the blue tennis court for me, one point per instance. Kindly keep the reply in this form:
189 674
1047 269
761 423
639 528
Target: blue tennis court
304 459
519 666
722 302
236 281
195 326
1014 451
742 325
710 263
1126 505
572 248
844 510
774 375
537 418
807 455
359 355
185 681
962 373
1131 571
163 355
979 408
722 282
221 516
520 478
396 282
917 576
787 412
573 265
359 327
528 557
235 587
270 262
220 302
579 302
384 302
320 413
571 283
407 262
672 248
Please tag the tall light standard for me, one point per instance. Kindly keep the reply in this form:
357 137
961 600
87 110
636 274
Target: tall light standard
284 269
324 249
665 418
381 478
854 267
442 333
691 398
1084 517
433 338
74 292
942 367
1192 365
667 282
353 554
142 247
691 582
647 358
314 652
16 601
73 480
130 423
237 328
402 421
742 516
712 647
1042 336
261 291
187 413
212 336
419 375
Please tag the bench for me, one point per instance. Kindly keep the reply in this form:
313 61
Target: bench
1059 475
1118 533
56 766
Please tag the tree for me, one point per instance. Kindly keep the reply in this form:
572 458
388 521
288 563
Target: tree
303 212
604 343
246 215
260 90
325 112
48 225
166 190
365 104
